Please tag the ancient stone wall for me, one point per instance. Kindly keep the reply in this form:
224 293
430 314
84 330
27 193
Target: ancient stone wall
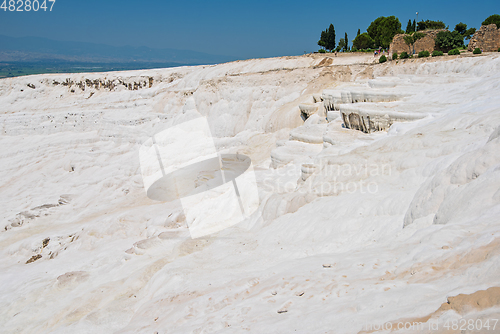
427 43
487 39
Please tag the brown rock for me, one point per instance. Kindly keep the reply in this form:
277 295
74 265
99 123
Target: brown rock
479 300
487 39
34 258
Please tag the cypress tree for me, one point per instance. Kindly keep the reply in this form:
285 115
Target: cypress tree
346 48
409 27
330 44
359 33
414 26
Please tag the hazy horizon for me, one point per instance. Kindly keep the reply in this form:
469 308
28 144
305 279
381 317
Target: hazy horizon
44 48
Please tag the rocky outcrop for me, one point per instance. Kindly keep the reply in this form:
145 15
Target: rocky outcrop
307 109
487 39
132 83
361 108
333 98
108 84
373 120
427 43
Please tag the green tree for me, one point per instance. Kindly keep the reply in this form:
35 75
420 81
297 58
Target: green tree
469 33
346 48
430 25
363 41
330 38
409 27
414 25
448 40
359 32
375 27
322 40
327 39
383 30
341 45
410 40
461 28
495 18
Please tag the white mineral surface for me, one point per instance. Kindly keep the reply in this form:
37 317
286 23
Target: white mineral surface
354 229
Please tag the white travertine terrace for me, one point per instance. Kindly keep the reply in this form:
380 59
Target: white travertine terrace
369 120
355 229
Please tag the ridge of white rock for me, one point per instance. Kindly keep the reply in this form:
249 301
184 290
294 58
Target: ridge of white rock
355 230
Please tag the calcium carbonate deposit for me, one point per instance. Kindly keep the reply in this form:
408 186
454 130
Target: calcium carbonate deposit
378 199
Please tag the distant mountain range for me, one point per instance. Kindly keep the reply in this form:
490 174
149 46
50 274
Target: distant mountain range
32 49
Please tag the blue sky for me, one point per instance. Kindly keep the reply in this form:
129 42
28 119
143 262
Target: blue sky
245 29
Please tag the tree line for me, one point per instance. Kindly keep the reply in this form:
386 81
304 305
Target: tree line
382 30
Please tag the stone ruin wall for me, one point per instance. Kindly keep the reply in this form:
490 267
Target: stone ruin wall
487 39
427 43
